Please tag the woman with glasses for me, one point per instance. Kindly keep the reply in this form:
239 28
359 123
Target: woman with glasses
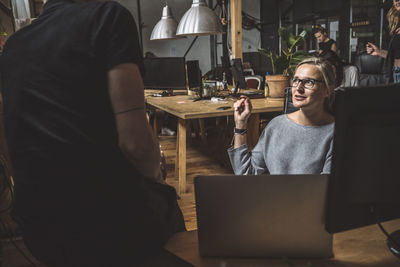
392 55
295 143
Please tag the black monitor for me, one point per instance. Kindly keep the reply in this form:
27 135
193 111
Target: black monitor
193 74
238 75
164 73
364 185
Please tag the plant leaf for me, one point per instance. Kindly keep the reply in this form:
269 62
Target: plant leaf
289 58
303 34
284 34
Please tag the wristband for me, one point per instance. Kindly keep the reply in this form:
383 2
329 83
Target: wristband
239 131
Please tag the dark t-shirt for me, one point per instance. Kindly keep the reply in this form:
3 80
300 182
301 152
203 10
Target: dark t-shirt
58 117
326 46
395 45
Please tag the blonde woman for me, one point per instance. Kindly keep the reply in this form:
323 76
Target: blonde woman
392 55
296 143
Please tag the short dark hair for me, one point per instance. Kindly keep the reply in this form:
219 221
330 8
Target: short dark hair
319 28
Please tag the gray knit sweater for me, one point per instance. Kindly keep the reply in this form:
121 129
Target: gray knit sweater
286 147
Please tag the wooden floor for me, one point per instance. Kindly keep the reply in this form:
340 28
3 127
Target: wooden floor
201 159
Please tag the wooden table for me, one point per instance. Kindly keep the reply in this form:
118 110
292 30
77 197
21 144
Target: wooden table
362 247
185 109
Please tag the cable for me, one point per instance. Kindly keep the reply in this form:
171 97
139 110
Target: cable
389 237
17 247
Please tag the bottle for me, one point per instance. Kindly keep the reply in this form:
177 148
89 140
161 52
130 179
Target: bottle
224 82
266 90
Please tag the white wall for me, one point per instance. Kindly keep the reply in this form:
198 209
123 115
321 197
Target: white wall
151 13
252 38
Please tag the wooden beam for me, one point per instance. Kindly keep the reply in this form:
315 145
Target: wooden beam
6 10
236 28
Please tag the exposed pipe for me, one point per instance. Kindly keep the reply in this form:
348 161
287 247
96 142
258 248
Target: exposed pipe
140 24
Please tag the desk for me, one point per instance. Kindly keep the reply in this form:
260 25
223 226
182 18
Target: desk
185 109
362 247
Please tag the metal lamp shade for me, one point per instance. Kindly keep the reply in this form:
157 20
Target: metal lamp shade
165 29
199 20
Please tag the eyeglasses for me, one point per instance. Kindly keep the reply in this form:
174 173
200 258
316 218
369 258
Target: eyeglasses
307 83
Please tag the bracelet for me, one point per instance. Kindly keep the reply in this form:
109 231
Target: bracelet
239 131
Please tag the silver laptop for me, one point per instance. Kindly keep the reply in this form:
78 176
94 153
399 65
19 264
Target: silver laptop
262 216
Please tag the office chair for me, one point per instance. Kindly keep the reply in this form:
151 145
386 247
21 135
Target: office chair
253 82
370 68
288 104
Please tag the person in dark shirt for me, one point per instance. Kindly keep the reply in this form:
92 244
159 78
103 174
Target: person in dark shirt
325 43
392 55
88 189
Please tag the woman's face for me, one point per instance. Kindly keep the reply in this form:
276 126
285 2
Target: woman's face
309 90
396 4
320 37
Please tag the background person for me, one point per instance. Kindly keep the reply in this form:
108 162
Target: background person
324 42
392 55
296 143
346 75
88 188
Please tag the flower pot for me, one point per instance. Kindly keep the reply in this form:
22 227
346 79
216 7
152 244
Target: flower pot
277 85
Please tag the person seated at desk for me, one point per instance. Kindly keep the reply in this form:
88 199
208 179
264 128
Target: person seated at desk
346 75
296 143
325 43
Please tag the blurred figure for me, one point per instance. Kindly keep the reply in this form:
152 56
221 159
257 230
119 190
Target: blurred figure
89 190
325 43
391 68
346 75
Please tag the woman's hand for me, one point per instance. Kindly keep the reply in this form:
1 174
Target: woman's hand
242 112
373 50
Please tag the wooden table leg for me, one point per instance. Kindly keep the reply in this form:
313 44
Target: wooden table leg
202 131
155 123
253 126
177 155
181 155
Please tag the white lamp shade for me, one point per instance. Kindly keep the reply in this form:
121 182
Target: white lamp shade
165 29
199 20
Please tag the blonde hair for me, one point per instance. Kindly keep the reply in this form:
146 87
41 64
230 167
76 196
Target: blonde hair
328 72
393 19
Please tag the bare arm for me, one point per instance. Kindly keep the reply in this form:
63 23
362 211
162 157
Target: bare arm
135 136
373 50
241 115
334 48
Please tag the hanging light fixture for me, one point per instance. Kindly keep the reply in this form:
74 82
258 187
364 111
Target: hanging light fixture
165 29
199 20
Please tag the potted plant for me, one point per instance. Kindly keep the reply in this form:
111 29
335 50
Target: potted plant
283 65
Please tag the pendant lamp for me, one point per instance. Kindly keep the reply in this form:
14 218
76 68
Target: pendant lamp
165 29
199 20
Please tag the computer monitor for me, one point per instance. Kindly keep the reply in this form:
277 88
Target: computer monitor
238 75
193 73
164 73
364 185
